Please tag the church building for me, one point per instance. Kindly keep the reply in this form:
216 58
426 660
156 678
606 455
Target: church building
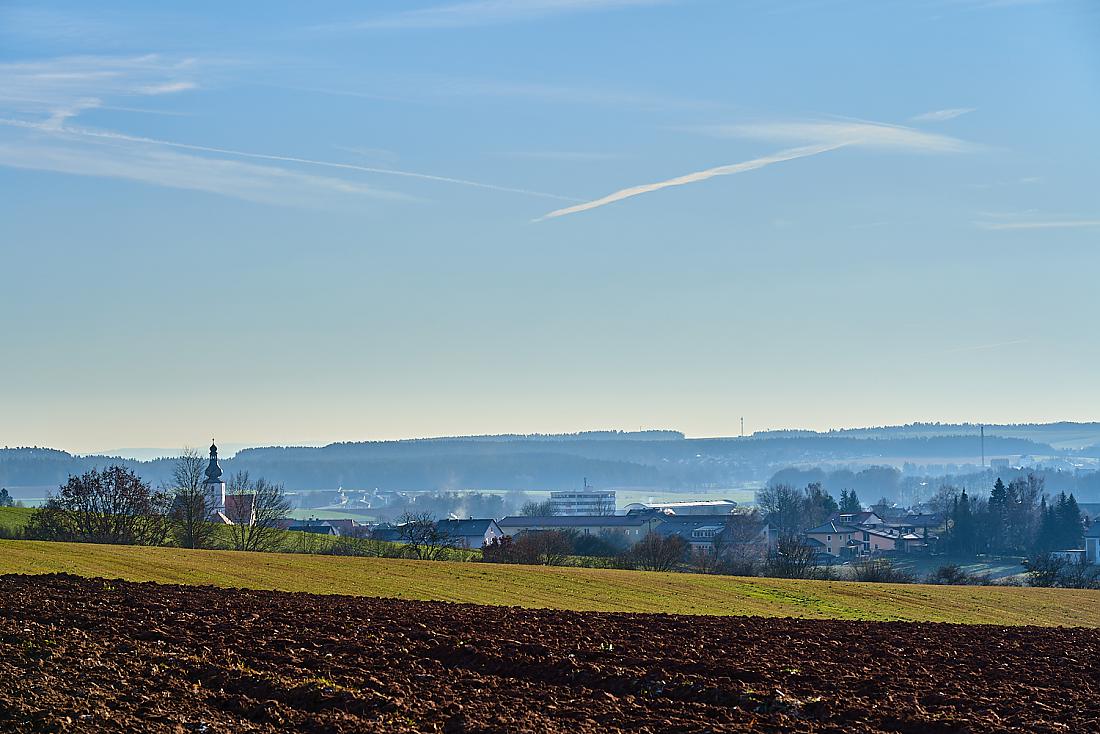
233 509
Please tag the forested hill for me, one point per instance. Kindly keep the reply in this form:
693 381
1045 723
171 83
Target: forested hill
660 459
1062 435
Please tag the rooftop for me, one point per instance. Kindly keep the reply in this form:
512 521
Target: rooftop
577 521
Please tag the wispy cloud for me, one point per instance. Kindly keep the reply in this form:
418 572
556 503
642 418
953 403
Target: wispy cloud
59 89
843 132
752 165
1041 224
146 164
108 135
169 87
991 4
62 87
487 12
820 136
60 115
559 155
943 115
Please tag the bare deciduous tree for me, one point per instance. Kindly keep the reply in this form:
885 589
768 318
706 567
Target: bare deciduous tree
422 536
257 510
793 559
192 508
111 506
542 547
538 509
782 504
658 553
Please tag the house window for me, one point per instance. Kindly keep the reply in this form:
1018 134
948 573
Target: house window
829 538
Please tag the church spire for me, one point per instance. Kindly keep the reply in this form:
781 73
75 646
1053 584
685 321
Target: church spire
213 470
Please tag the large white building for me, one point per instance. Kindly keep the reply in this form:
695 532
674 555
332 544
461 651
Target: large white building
583 502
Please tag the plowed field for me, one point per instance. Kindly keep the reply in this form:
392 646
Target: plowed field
88 655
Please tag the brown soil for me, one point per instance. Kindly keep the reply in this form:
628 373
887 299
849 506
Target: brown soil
87 655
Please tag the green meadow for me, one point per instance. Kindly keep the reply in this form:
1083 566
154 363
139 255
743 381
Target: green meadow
581 589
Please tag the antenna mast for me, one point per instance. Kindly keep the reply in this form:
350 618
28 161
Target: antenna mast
983 447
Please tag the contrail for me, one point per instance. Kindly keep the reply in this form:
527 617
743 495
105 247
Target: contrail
783 155
107 135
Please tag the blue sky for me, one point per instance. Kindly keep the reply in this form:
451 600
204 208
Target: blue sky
337 221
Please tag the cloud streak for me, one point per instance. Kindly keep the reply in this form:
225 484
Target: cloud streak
843 132
728 170
487 12
943 115
819 136
250 182
1042 224
107 135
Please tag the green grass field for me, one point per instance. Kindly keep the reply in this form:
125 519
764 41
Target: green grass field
14 518
563 588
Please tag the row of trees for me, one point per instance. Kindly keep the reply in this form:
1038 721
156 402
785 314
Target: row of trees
116 506
1018 518
791 510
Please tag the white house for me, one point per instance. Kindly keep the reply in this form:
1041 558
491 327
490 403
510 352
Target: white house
470 533
1092 543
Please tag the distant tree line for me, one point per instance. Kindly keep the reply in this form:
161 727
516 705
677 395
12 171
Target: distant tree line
544 463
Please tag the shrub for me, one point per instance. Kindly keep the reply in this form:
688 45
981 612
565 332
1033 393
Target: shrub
880 571
655 552
793 559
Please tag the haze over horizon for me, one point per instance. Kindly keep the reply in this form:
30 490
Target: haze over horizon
349 222
230 448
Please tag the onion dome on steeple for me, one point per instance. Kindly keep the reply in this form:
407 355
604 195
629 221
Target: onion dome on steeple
213 470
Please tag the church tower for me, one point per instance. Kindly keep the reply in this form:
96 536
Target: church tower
213 485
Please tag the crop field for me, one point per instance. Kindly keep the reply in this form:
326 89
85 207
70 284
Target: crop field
579 589
93 655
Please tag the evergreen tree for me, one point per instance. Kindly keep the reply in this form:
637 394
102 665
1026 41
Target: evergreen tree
1068 518
5 498
963 533
819 505
849 502
996 529
1047 538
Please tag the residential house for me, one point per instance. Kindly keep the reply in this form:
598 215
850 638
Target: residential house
1092 543
716 532
866 519
342 526
633 527
316 528
1075 556
470 533
837 539
387 532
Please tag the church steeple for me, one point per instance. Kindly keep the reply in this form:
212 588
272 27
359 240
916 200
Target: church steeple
213 470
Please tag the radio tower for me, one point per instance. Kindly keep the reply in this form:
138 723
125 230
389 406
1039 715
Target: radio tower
983 447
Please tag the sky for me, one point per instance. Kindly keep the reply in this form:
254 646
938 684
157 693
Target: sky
310 222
